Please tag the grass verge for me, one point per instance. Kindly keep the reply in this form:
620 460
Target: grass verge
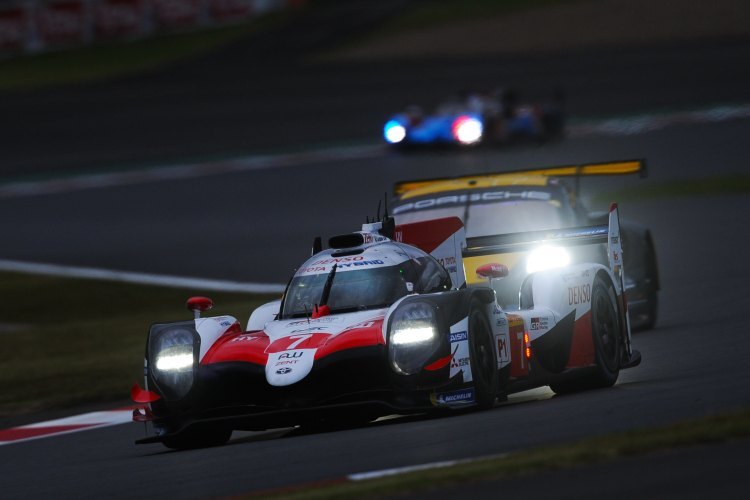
709 186
71 341
715 429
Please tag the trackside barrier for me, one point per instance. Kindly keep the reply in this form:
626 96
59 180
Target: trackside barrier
31 26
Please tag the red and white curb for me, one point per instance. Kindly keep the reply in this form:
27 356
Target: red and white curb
87 421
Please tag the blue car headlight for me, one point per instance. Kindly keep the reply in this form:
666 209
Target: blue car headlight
413 336
394 132
172 359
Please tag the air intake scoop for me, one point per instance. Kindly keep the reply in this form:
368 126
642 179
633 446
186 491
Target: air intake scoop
347 240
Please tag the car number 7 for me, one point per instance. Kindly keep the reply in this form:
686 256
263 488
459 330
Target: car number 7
300 338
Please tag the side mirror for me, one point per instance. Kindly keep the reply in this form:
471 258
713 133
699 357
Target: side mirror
199 304
492 271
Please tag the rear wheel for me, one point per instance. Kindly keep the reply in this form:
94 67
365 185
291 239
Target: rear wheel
606 333
483 359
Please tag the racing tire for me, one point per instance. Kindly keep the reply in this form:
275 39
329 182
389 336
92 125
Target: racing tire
198 437
606 332
483 360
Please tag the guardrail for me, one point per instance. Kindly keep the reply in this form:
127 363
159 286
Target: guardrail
32 26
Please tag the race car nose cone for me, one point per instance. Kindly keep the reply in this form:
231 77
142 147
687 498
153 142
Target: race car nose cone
290 366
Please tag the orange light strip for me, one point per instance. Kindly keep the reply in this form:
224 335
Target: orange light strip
527 344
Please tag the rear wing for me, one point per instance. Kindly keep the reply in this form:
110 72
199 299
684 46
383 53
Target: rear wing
538 176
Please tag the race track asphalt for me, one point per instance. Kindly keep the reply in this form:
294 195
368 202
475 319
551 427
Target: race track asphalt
257 226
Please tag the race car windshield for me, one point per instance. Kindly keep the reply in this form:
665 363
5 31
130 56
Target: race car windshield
498 218
349 290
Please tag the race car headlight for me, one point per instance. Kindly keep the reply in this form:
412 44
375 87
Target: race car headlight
413 336
173 361
547 257
394 132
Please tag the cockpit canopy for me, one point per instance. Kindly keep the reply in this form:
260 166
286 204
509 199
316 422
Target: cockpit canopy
371 278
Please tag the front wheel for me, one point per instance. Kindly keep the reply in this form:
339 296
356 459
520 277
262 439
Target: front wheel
483 359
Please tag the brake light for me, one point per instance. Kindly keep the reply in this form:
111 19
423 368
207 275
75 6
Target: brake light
527 345
467 129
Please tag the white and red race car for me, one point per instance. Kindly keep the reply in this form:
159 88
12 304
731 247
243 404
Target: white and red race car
383 323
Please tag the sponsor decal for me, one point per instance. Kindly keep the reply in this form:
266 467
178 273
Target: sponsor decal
245 338
459 362
515 321
310 329
502 348
616 256
363 324
448 261
287 362
337 260
462 396
311 269
320 267
474 198
324 319
364 263
615 240
225 323
283 371
540 323
579 294
458 337
372 238
287 355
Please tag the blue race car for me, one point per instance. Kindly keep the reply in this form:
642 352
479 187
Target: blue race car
495 118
